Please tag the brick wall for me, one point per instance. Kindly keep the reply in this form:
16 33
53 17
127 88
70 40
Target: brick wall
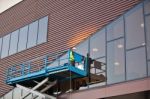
70 21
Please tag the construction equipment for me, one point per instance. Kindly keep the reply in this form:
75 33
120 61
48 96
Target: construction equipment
54 76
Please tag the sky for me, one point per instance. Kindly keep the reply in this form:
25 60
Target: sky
6 4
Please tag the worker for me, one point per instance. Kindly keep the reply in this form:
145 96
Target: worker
71 58
89 62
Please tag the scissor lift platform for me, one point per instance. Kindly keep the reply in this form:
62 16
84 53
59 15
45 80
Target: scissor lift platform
55 75
61 72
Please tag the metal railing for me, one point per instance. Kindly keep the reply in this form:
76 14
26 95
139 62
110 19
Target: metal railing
35 65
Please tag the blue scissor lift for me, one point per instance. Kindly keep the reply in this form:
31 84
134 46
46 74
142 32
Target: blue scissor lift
53 71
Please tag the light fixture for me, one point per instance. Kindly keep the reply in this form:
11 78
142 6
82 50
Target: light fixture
120 46
143 44
95 49
142 25
116 63
74 48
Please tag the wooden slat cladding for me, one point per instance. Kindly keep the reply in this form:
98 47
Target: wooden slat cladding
70 21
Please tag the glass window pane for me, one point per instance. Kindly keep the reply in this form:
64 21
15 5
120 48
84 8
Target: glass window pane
5 46
135 28
115 29
136 63
147 18
149 68
43 27
115 61
8 95
13 42
17 93
0 45
25 93
2 98
82 48
97 45
54 64
63 59
103 60
147 6
99 74
32 35
22 38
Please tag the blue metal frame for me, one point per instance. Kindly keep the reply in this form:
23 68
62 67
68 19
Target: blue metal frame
26 74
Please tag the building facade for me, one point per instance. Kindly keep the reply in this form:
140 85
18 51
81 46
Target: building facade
116 33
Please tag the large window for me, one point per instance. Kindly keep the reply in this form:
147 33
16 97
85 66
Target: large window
149 68
147 20
136 63
147 6
115 61
13 42
115 30
82 48
17 93
24 92
42 33
9 95
5 46
97 45
134 28
0 45
32 34
99 72
25 37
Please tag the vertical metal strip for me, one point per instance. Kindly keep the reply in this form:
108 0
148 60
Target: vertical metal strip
37 33
145 33
106 54
27 37
18 40
9 43
125 69
1 48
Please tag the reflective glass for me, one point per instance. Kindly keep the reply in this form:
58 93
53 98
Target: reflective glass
43 27
147 18
115 29
0 45
147 6
2 98
149 68
63 59
99 73
82 48
13 42
5 46
115 61
9 95
23 38
17 93
134 28
136 63
97 45
25 93
32 34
